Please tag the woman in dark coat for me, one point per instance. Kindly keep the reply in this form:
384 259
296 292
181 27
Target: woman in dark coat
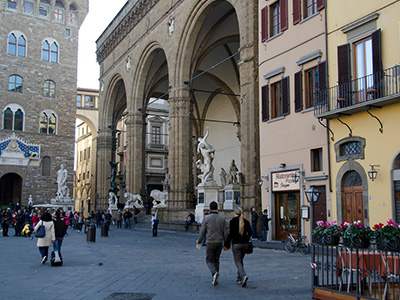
239 235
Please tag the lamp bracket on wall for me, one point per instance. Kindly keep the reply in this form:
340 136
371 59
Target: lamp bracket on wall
380 123
351 132
323 125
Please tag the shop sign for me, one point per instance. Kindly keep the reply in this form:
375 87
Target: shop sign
283 181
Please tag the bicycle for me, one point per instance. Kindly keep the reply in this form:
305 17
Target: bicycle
293 243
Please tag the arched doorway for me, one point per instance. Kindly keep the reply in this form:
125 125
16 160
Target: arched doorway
10 189
353 208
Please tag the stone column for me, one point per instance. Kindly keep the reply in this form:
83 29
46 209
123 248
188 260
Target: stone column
135 171
180 149
104 149
249 127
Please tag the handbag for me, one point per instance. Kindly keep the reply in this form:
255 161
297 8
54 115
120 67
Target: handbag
249 248
41 232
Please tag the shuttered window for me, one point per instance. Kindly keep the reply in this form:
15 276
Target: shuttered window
344 63
376 51
298 91
264 103
284 14
264 24
296 11
285 96
320 4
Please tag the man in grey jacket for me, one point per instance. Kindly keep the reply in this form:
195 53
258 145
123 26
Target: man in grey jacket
214 228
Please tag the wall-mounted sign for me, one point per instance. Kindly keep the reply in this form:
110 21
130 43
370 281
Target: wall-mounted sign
283 181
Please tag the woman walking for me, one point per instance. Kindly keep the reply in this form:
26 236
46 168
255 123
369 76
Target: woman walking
45 242
239 235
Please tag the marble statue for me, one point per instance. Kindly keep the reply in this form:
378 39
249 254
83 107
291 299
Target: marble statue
128 64
233 173
112 201
30 201
160 198
62 189
222 175
133 200
171 26
206 167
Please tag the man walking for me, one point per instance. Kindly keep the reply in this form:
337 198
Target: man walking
254 219
214 228
264 226
127 219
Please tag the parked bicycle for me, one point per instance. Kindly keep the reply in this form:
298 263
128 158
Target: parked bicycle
293 243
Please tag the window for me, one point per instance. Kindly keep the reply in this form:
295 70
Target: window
21 46
13 118
78 100
350 147
84 154
49 53
275 100
275 19
48 123
363 66
12 44
311 86
49 88
83 176
156 135
46 166
12 4
80 156
310 8
316 160
15 83
88 153
16 44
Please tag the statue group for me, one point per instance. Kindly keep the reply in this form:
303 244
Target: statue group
206 166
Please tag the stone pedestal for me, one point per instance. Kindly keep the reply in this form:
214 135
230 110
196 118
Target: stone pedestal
232 194
205 195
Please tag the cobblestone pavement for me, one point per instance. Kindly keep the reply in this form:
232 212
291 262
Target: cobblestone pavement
130 264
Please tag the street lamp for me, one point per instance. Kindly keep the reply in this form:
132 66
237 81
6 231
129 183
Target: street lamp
312 196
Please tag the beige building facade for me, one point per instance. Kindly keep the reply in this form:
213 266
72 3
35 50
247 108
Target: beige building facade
38 45
293 145
87 114
202 58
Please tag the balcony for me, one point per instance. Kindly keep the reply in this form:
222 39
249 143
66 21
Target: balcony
375 90
340 272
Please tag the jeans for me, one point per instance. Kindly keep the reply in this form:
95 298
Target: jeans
155 227
264 235
239 251
119 224
98 223
57 244
127 223
213 252
44 251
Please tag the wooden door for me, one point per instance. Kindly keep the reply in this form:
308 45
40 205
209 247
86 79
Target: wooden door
287 215
320 206
353 207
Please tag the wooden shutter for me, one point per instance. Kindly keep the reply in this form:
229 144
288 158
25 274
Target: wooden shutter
296 11
285 96
264 103
344 75
298 91
264 24
376 51
320 4
284 14
322 80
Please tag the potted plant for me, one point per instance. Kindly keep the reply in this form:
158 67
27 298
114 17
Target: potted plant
356 235
387 236
327 233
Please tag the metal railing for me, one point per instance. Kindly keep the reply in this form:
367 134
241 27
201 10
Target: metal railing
365 273
377 85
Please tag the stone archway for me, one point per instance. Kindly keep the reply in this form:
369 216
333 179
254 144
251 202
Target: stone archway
10 189
350 166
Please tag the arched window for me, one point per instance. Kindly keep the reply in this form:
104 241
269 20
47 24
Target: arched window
54 53
48 122
15 83
45 51
13 117
49 88
46 166
12 44
21 46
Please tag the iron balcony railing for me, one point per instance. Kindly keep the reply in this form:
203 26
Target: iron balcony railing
361 273
358 92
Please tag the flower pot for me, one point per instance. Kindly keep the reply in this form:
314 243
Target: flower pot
393 246
331 240
361 243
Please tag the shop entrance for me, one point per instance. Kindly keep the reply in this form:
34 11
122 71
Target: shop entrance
10 189
287 213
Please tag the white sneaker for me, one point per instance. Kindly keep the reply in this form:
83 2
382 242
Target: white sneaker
44 260
215 279
244 281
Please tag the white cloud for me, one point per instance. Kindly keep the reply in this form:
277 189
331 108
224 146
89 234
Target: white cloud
101 13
